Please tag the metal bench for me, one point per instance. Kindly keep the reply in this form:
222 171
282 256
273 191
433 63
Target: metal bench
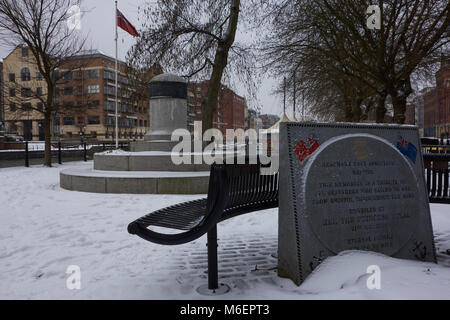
234 189
238 189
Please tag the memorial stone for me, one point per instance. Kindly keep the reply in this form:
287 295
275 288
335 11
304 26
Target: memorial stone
350 187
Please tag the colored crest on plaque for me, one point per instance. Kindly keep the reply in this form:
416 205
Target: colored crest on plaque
304 149
408 149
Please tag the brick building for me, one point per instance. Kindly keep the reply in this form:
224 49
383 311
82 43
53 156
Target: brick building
437 104
268 120
85 95
230 112
2 100
410 114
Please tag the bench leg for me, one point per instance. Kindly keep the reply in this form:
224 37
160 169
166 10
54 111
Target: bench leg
213 275
213 288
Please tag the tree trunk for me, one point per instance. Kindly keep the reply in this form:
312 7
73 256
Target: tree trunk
48 139
356 109
399 104
348 113
380 110
399 98
220 62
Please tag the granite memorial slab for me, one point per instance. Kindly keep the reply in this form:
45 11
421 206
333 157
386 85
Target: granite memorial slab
350 187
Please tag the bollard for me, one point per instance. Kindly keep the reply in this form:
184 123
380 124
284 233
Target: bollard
27 161
59 153
84 154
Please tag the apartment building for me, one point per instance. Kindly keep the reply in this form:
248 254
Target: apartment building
2 101
22 82
230 112
85 96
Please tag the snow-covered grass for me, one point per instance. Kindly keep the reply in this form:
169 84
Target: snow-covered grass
44 229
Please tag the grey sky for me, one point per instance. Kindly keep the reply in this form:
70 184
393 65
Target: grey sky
98 23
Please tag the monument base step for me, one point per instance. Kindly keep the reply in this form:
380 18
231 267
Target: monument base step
142 161
154 182
157 145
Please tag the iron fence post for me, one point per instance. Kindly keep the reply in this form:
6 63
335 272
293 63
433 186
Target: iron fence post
27 160
59 153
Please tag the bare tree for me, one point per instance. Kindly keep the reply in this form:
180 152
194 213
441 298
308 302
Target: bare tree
382 61
42 26
195 38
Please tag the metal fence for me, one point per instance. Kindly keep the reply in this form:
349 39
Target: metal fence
30 152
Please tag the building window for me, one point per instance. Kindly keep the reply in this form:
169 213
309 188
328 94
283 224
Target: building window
25 92
69 134
12 107
110 121
110 105
67 121
25 74
24 51
67 91
93 120
38 76
140 123
109 75
80 120
93 73
110 90
94 88
40 106
12 92
39 91
12 77
26 106
94 134
68 104
68 75
93 104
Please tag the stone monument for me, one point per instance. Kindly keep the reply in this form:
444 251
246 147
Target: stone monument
168 112
350 187
148 168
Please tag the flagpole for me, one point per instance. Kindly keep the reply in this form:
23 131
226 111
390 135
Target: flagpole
117 89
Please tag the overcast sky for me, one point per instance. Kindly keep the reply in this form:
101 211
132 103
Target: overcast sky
99 23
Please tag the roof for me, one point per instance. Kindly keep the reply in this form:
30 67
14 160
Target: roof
168 77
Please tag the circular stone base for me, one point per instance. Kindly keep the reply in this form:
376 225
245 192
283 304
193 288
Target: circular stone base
154 182
143 161
204 290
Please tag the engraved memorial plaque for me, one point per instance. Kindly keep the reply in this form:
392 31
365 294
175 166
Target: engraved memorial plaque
350 187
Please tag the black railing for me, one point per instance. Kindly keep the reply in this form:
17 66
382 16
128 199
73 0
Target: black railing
30 152
437 177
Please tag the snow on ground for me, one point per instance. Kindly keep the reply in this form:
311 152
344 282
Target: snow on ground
44 229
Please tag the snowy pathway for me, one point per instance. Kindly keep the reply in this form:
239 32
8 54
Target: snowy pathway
44 229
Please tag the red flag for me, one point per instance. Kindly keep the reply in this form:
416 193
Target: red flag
125 24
